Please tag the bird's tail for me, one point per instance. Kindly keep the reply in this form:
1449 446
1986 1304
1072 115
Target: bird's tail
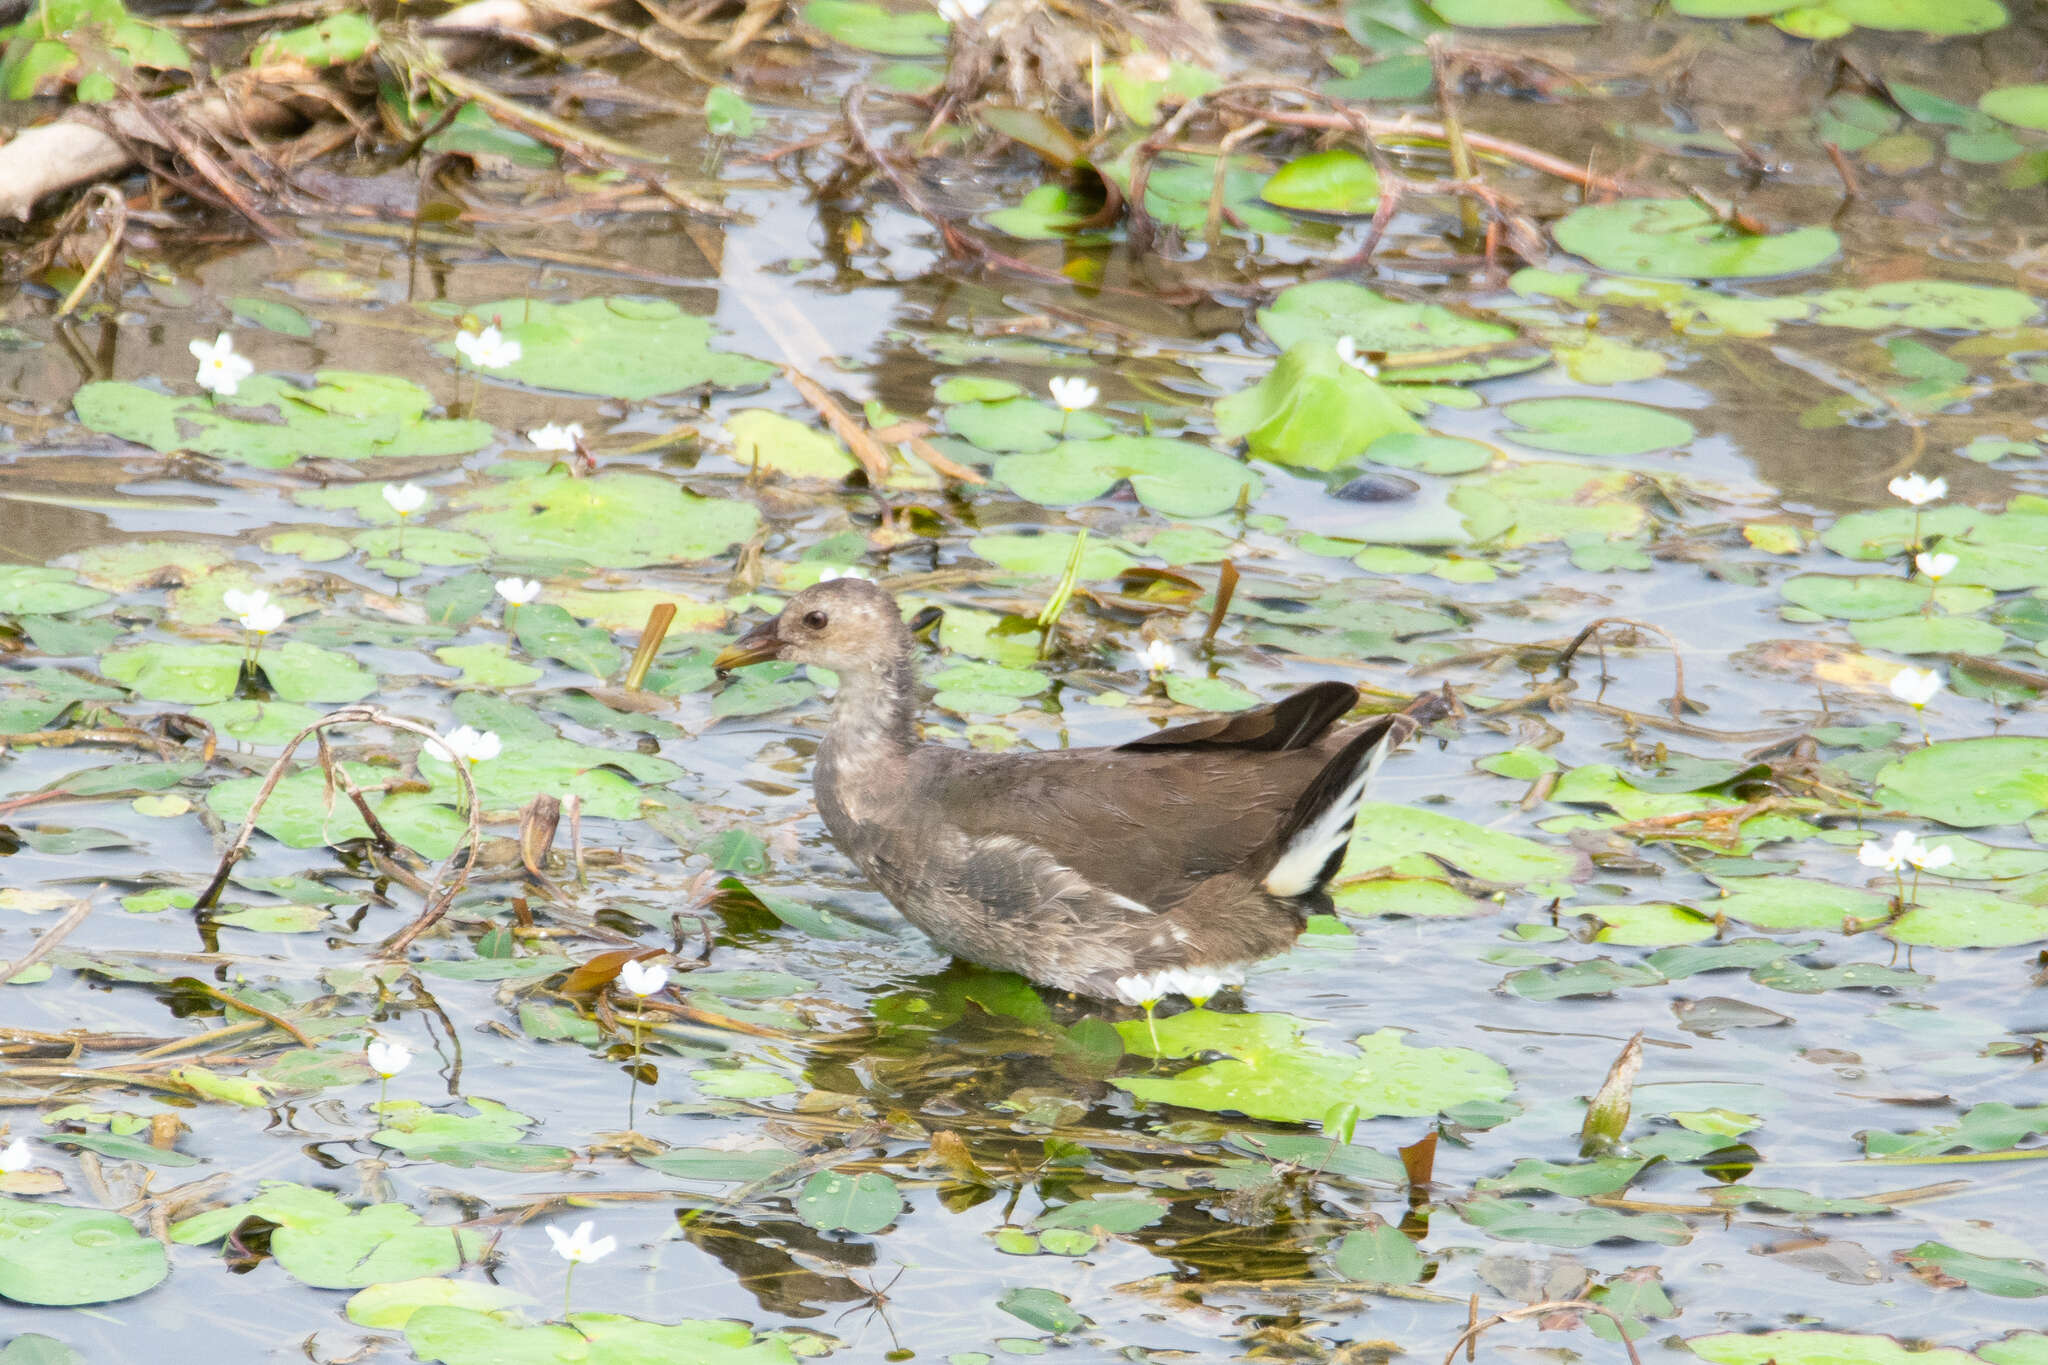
1309 846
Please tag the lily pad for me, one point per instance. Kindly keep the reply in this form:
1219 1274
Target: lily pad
871 28
620 347
1957 917
617 519
864 1203
345 415
1682 238
1312 410
1970 783
1595 426
1818 1348
1177 478
57 1255
1410 841
303 813
461 1335
25 588
325 1243
1512 14
298 672
1469 347
1335 181
1271 1072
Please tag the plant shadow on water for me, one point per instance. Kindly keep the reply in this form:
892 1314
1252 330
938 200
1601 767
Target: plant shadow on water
1679 399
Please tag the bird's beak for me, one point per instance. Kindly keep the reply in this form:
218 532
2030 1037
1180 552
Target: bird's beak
757 646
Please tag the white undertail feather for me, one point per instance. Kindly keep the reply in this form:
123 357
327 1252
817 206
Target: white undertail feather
1310 850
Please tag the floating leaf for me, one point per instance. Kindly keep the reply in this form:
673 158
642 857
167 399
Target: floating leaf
1682 238
1270 1072
616 519
58 1256
343 416
1336 181
865 1203
1970 782
1176 478
1595 426
1312 410
621 347
869 27
1465 347
1511 13
1514 1220
1378 1254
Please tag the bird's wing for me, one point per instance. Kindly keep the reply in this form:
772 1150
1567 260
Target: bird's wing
1294 722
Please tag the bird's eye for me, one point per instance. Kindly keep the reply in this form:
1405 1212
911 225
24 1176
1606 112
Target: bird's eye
815 620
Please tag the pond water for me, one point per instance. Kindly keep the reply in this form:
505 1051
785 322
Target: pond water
824 1137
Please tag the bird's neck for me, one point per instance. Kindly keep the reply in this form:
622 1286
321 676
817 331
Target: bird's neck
874 717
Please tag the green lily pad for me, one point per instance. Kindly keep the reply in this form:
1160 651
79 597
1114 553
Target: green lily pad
865 1203
2023 106
1016 424
1325 310
1271 1072
1409 841
1177 478
302 813
1653 924
57 1255
298 672
768 440
2008 1277
537 761
1994 1126
1957 917
1515 1220
1312 410
1047 555
1595 426
621 347
333 41
1431 454
1818 1348
1929 635
1946 18
343 416
1782 903
1209 694
1534 504
867 26
1379 1254
27 589
461 1335
1578 1180
323 1242
1682 238
488 666
1178 190
489 1137
1335 181
1970 783
1512 13
616 519
1046 214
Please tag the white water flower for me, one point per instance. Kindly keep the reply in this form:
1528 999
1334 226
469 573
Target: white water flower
489 349
15 1156
221 371
643 977
1159 659
955 11
405 500
468 742
1916 686
519 591
1929 858
1889 857
1347 351
579 1247
554 437
262 618
1073 393
1916 491
242 603
1934 566
388 1057
826 575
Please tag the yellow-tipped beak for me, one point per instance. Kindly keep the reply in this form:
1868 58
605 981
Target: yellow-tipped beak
757 646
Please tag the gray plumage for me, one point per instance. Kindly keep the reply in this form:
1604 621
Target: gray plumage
1122 873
